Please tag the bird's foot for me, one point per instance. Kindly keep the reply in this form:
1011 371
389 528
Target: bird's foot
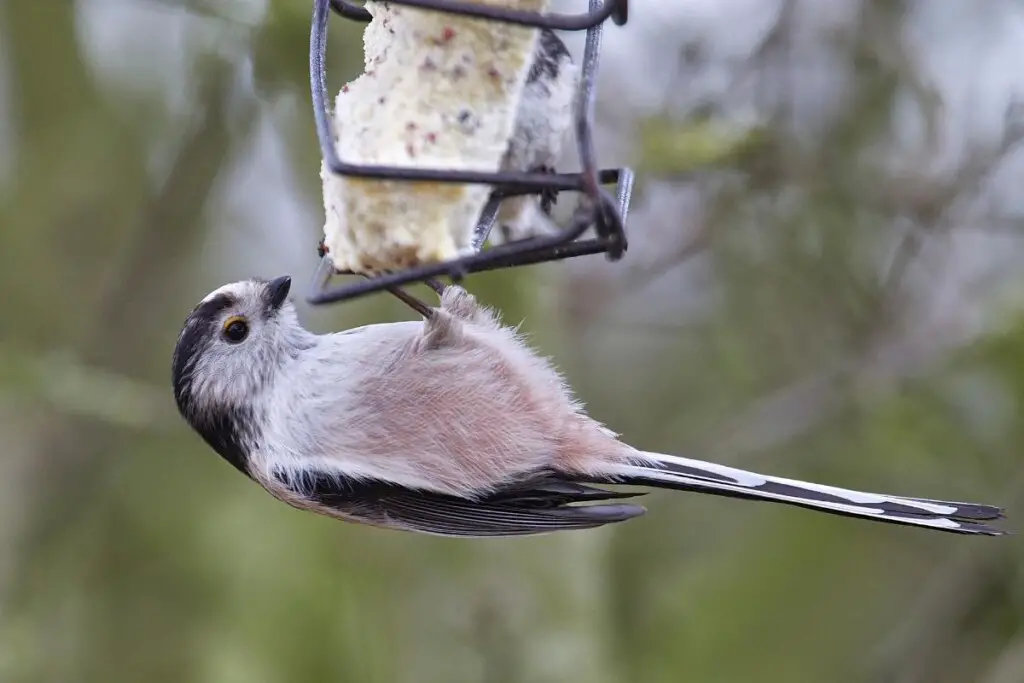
548 198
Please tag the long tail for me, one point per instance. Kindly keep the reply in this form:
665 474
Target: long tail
672 472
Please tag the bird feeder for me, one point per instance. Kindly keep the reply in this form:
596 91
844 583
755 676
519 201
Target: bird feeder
408 196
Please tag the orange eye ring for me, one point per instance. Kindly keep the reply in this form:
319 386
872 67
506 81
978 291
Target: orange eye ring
236 329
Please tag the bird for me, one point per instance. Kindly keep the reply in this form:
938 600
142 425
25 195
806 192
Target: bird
449 425
543 116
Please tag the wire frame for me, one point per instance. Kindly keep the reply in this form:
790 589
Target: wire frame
604 211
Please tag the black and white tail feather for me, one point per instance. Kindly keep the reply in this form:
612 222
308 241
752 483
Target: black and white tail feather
557 501
672 472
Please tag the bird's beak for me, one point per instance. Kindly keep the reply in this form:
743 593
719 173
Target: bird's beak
277 291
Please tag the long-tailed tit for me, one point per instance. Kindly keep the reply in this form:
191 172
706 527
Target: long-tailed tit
542 119
450 425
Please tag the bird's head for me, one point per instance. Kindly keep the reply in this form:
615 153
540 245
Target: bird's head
230 350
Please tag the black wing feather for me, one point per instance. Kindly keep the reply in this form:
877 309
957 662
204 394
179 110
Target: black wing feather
447 516
539 505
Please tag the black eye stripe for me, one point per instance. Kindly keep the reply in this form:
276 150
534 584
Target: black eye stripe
199 328
208 310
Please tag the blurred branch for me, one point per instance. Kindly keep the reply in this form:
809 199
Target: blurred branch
881 41
495 642
942 203
168 230
698 243
170 225
778 418
233 12
92 392
884 357
1007 226
775 47
670 148
880 365
1009 666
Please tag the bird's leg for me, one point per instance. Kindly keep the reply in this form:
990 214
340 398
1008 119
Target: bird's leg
409 300
435 285
415 303
445 325
548 198
454 299
464 306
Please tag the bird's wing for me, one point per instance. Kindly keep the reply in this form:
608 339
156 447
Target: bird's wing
539 506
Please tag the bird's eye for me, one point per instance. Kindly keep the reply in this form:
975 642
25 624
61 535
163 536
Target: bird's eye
236 329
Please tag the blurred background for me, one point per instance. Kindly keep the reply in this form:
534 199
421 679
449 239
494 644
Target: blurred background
825 280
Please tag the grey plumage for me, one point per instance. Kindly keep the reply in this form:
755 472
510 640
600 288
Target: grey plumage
450 425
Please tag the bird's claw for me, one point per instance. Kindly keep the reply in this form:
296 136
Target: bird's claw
548 198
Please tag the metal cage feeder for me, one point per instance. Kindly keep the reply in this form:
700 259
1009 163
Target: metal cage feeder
603 211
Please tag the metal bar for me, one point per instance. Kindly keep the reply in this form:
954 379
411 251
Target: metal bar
358 288
618 10
624 192
488 217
